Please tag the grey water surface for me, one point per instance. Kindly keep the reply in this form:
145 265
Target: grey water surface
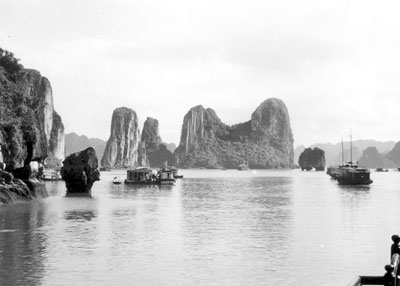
214 227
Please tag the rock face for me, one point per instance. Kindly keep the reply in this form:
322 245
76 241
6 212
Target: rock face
150 134
23 186
394 154
371 158
266 141
157 152
30 128
80 171
312 158
124 148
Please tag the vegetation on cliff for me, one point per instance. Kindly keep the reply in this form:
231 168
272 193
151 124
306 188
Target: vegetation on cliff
266 141
30 129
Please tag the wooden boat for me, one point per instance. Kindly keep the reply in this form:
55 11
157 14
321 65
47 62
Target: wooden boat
349 173
147 176
175 171
381 170
51 175
165 177
117 181
352 174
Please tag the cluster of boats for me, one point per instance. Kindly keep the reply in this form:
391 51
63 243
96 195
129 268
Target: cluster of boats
350 173
148 176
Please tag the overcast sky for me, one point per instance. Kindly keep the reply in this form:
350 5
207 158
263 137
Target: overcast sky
335 64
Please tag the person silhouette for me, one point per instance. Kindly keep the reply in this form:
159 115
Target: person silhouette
389 276
395 246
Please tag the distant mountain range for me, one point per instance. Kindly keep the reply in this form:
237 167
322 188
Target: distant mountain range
75 143
333 152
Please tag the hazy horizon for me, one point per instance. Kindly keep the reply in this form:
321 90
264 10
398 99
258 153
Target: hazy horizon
335 64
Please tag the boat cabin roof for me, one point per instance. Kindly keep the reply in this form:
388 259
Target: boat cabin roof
141 170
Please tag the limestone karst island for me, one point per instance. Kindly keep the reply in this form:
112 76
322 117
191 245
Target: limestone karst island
32 141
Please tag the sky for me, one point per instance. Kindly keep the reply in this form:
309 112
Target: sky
335 64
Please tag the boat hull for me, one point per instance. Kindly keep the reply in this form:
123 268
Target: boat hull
350 175
158 182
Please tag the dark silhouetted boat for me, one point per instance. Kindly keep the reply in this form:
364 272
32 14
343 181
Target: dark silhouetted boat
147 176
349 173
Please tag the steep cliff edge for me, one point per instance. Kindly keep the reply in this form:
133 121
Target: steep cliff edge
266 141
30 128
124 148
156 151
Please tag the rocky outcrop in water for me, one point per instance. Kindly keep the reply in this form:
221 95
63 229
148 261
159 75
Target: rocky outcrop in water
371 158
312 158
124 148
80 171
265 141
156 151
30 128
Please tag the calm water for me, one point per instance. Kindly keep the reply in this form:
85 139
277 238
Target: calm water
211 228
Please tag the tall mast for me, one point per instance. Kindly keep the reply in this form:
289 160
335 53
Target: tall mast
351 149
342 153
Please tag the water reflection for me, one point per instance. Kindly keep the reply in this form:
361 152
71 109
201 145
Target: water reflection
214 228
86 215
231 223
23 247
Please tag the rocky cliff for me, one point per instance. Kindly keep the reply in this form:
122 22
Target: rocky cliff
394 154
265 141
371 158
124 148
80 171
150 134
312 158
30 128
156 151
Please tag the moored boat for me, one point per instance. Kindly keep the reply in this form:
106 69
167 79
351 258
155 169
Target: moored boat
350 173
147 176
175 172
51 175
117 181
